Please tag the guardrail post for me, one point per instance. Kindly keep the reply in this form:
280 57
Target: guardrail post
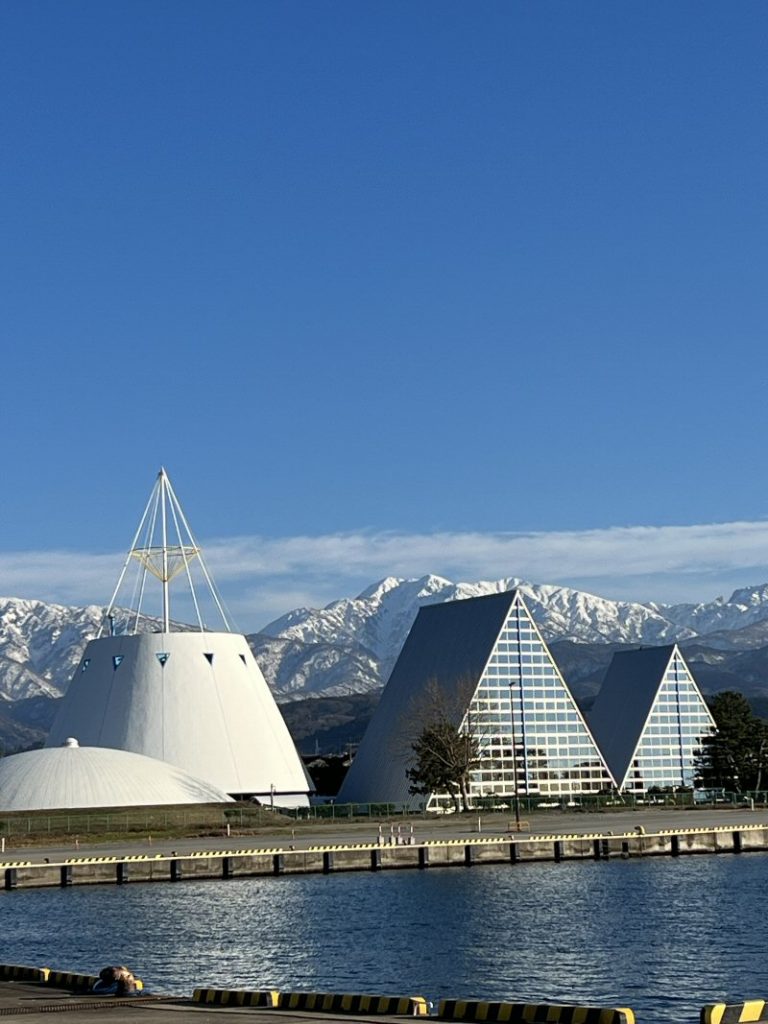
65 875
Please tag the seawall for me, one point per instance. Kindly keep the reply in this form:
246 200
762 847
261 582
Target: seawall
377 856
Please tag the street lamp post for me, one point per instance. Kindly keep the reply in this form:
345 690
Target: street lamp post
519 646
514 755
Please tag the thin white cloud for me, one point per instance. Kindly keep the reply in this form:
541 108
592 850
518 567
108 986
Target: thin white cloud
617 552
264 577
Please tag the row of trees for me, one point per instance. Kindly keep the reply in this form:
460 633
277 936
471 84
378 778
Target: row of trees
734 759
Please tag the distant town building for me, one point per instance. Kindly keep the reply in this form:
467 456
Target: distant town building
188 695
483 664
649 719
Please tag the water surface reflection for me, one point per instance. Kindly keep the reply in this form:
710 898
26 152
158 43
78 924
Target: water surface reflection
661 935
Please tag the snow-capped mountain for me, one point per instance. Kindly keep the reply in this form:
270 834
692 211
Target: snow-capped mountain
41 644
380 617
350 646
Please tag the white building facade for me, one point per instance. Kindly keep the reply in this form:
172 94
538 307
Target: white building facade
193 697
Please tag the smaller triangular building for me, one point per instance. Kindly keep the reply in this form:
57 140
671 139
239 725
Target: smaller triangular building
649 719
485 663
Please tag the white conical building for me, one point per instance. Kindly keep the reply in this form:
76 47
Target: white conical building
189 696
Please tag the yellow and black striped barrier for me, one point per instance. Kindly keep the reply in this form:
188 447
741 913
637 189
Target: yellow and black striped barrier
92 860
533 1013
69 980
234 997
335 1002
78 982
734 1013
17 972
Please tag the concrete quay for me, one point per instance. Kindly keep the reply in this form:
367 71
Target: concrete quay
37 1002
70 994
360 847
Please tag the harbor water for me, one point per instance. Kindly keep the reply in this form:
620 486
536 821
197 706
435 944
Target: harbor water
661 935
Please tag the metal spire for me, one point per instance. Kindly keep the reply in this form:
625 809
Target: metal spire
164 547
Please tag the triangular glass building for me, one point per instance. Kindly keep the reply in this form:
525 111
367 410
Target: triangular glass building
485 662
649 719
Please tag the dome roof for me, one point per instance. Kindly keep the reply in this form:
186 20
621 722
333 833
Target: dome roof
71 776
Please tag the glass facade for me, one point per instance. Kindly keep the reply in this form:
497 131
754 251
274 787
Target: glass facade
532 738
679 718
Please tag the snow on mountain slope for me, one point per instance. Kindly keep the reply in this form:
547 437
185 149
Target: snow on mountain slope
295 670
744 608
381 616
350 645
40 645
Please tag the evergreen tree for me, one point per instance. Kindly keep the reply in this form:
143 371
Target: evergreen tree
734 758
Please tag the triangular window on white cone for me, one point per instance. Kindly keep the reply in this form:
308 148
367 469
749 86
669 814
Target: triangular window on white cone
117 660
162 657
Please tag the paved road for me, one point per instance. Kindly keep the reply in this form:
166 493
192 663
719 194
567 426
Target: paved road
450 827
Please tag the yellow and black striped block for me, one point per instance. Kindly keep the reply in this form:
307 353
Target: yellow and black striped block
533 1013
234 997
336 1002
734 1013
16 972
68 980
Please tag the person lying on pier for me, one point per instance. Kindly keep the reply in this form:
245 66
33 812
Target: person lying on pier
117 981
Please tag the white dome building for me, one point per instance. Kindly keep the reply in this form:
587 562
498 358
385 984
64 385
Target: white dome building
196 699
71 776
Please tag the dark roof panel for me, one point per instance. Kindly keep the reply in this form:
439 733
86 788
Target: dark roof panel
624 702
444 655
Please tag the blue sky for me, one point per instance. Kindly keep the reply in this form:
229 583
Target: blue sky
477 289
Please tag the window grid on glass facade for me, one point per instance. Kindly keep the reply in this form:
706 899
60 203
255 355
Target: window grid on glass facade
532 738
677 722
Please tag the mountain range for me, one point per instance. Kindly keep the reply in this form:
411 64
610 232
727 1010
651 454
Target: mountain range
341 655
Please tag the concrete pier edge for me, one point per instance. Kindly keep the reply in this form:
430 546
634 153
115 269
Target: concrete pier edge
509 848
